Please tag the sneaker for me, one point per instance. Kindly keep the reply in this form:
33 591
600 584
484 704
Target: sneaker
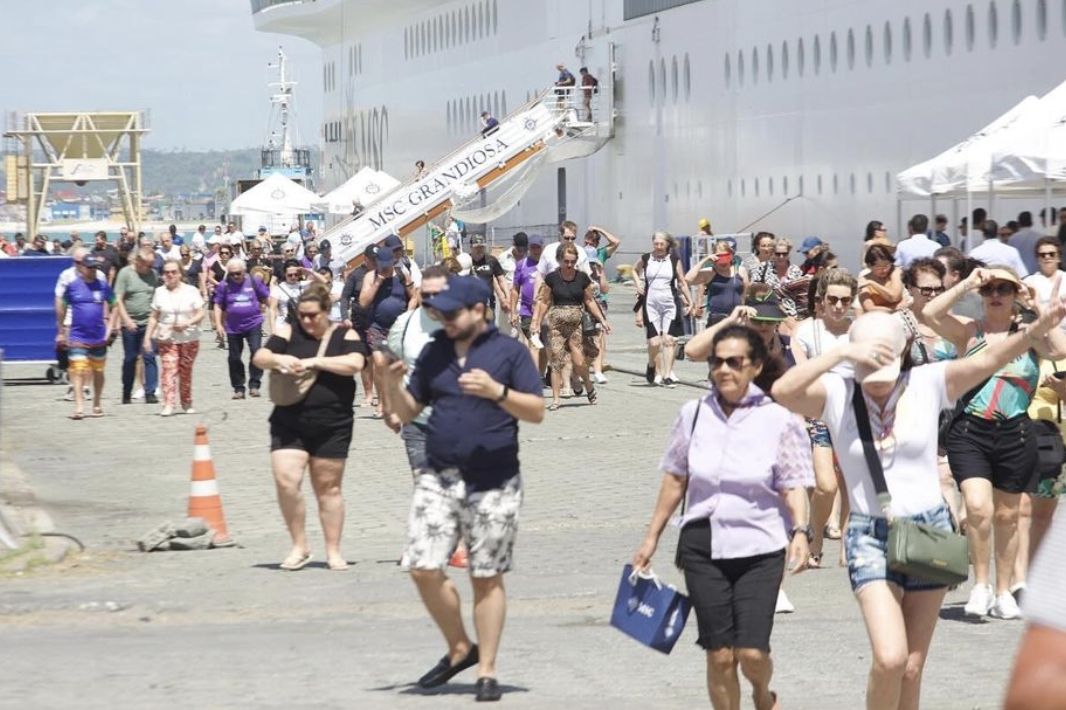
670 382
784 604
657 381
151 399
649 374
69 396
1005 607
189 410
1018 591
981 598
86 391
139 394
167 412
578 389
599 377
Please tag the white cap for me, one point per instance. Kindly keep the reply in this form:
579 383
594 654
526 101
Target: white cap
888 328
466 262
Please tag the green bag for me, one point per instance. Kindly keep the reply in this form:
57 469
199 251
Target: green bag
914 549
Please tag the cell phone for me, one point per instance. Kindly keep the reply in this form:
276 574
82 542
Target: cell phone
1059 374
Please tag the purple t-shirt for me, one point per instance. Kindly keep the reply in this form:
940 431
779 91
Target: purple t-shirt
86 302
737 468
241 302
525 279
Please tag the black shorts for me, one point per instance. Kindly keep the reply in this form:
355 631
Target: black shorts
733 599
1002 451
323 442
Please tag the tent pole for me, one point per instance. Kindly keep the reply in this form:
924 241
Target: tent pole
1047 206
968 242
955 214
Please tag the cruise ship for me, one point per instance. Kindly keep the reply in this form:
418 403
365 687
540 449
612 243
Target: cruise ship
792 116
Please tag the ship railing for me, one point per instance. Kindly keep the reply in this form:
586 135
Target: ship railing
578 105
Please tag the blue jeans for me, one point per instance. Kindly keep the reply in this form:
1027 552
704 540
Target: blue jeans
132 346
254 336
866 545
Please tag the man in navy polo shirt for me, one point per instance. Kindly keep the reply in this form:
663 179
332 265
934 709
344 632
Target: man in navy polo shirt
479 384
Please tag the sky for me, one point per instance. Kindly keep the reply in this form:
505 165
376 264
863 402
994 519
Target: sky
198 66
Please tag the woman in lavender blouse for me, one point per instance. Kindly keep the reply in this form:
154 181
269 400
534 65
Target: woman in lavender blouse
746 500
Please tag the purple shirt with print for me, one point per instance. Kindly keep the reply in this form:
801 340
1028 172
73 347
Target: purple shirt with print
525 278
241 302
737 469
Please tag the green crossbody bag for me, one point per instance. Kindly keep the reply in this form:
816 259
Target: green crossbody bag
914 549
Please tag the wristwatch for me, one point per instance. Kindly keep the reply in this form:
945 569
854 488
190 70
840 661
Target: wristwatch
504 393
805 529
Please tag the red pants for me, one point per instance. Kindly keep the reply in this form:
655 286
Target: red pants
177 359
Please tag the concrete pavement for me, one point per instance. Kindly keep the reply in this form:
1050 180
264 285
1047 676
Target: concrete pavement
113 628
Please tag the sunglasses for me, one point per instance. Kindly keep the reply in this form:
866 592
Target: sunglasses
1048 254
569 239
1000 289
736 362
930 291
780 253
292 274
569 262
838 300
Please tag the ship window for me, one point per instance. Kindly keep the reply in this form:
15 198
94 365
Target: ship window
699 189
495 17
887 40
784 185
406 46
993 24
673 78
740 68
784 59
800 58
971 28
819 183
651 82
1016 21
949 31
662 80
756 187
869 46
851 49
833 55
360 58
851 183
817 51
687 78
927 35
800 185
888 181
907 39
728 72
448 122
743 187
466 24
769 63
755 65
770 187
438 40
1041 19
729 187
454 33
870 182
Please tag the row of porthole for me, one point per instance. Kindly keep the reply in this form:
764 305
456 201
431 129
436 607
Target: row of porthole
355 59
657 84
329 76
452 29
1017 23
463 114
834 183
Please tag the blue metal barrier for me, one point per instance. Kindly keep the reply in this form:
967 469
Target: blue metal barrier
27 307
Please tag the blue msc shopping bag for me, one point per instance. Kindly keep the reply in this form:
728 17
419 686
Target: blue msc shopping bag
649 611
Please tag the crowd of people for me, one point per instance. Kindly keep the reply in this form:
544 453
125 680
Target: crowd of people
950 359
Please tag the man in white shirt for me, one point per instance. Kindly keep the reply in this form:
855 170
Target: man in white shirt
549 260
1025 239
167 248
994 252
918 245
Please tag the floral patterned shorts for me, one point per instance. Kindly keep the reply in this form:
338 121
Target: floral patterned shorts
442 510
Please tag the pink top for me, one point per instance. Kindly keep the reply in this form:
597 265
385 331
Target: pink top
737 469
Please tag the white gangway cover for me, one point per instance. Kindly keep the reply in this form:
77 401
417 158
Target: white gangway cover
277 194
367 186
1038 155
966 167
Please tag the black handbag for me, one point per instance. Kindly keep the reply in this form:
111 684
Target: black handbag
684 492
1052 451
914 549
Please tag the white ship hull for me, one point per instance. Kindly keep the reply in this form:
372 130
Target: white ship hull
726 108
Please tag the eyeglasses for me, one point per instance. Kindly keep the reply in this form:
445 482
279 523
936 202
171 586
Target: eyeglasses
734 363
838 300
569 262
1048 254
1001 289
930 291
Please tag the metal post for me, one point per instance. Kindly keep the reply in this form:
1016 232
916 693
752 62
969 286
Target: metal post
31 202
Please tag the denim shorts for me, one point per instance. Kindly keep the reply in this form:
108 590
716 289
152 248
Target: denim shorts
866 546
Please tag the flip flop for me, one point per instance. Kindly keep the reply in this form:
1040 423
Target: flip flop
337 566
299 564
97 412
77 416
553 407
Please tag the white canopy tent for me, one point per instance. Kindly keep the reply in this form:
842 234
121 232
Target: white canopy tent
366 186
277 194
1036 158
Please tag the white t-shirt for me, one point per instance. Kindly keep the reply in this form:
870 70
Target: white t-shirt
408 337
995 253
815 339
285 294
909 461
335 290
177 306
549 262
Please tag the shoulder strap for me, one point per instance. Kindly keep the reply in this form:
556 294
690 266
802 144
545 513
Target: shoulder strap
325 341
873 461
691 435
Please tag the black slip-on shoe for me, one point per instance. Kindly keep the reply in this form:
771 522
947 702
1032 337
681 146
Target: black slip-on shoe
445 671
488 690
649 374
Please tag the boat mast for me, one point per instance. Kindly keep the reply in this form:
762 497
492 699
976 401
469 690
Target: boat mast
282 101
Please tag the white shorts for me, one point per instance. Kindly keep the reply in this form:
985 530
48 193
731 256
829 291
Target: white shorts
442 510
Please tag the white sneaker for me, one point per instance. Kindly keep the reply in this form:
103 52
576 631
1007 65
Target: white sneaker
981 599
658 381
139 394
600 378
167 412
158 392
69 396
189 410
1005 607
784 604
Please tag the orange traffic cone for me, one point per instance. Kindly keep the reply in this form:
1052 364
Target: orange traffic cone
204 498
